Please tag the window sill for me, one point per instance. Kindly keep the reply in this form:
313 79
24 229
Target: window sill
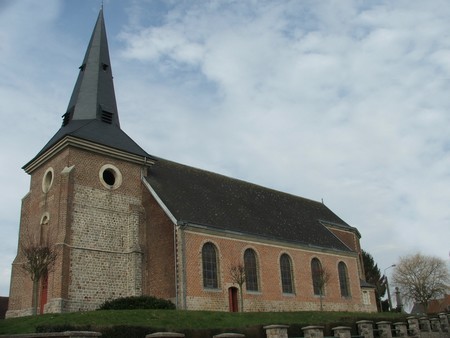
285 294
212 289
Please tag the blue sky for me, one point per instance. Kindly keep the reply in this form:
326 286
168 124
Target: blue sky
345 101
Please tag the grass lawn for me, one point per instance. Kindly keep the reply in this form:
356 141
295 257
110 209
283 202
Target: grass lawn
177 320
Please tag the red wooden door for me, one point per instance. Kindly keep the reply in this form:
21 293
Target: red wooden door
44 292
233 299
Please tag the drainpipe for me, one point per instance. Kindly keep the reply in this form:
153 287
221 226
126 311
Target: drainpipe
175 245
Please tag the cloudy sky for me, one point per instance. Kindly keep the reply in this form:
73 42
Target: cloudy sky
345 101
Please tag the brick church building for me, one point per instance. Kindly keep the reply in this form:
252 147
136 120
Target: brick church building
126 223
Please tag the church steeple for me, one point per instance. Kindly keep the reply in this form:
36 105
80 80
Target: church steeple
92 118
93 96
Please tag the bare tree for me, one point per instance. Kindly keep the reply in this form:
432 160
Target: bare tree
237 272
39 259
321 277
421 278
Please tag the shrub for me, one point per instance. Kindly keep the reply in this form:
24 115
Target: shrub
137 302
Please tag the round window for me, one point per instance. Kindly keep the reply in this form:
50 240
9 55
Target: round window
47 180
110 176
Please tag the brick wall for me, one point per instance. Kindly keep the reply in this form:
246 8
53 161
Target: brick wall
159 254
94 229
351 239
270 296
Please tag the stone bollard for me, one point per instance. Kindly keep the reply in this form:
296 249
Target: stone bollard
444 322
342 331
313 331
413 324
425 324
78 334
165 335
229 335
401 329
384 329
435 324
276 331
365 328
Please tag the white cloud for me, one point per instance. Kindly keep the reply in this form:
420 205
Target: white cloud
348 107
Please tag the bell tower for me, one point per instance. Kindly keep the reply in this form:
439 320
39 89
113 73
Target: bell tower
85 200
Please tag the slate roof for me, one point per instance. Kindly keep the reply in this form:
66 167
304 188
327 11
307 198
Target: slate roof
98 132
216 201
92 111
94 89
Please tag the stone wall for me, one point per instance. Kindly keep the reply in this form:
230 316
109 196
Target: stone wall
105 258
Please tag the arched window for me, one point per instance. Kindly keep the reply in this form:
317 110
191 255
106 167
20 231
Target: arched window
318 277
343 279
286 274
251 270
209 261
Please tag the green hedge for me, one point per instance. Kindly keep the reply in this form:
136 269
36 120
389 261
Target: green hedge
138 302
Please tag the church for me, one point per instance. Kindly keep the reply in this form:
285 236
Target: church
124 223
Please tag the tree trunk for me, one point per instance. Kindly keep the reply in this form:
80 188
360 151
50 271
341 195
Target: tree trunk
241 300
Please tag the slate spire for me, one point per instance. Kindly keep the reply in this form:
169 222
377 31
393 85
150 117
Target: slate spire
92 113
93 96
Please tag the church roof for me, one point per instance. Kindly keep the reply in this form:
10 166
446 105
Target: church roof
203 198
92 111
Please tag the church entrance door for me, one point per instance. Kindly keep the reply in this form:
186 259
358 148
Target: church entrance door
233 299
44 292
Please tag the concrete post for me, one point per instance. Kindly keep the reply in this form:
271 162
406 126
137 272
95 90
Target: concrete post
365 328
313 331
229 335
276 331
384 329
425 324
165 335
444 322
413 324
342 331
401 329
435 325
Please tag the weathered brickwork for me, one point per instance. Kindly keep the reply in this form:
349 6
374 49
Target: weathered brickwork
159 252
269 297
95 231
35 205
